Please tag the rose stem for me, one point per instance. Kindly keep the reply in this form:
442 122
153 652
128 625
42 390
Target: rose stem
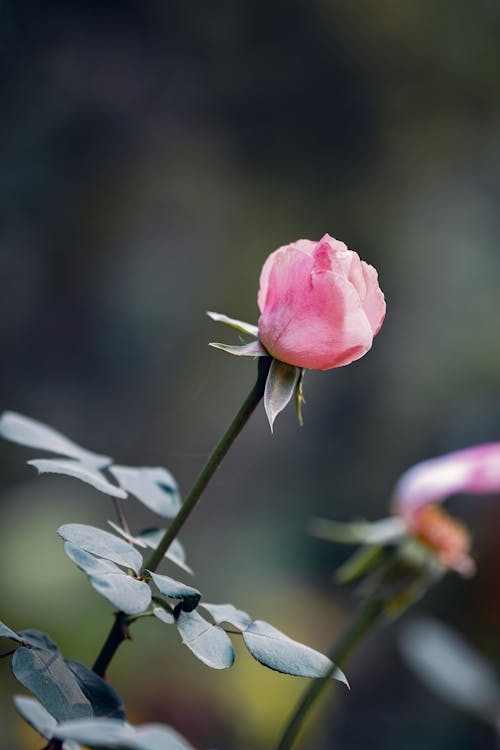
342 649
119 631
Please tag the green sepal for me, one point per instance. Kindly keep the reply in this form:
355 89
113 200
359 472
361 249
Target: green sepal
280 387
240 325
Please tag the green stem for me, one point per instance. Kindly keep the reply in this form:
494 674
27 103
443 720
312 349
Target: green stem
220 450
364 621
117 634
119 631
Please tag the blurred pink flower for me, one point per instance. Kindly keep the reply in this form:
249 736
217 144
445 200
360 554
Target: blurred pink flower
475 470
320 304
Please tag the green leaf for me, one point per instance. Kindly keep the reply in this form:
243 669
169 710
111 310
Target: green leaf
97 733
160 611
253 349
361 562
42 670
188 595
228 613
280 387
29 432
101 543
78 470
275 650
156 488
36 715
151 538
105 701
450 668
358 532
126 593
108 733
240 325
6 632
208 642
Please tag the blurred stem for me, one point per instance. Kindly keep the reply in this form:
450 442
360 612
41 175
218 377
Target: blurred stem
122 518
119 631
367 616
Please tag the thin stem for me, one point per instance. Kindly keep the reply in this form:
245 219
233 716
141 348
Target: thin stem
213 463
117 634
122 518
119 631
364 621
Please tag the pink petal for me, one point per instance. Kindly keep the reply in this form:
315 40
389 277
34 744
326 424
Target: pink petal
475 470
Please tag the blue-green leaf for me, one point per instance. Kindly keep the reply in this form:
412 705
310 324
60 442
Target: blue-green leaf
162 614
107 733
151 538
29 432
42 670
188 595
156 488
253 349
101 543
6 632
280 387
105 701
240 325
451 668
207 642
228 613
123 591
36 715
384 531
77 470
275 650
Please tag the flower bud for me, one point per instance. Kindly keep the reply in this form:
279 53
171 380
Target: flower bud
320 304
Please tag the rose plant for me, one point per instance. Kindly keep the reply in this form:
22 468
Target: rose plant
320 308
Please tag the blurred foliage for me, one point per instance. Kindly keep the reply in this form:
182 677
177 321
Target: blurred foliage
152 155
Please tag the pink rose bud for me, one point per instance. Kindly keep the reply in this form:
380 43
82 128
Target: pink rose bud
475 470
320 304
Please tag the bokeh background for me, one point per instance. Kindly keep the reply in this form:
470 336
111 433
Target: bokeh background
152 154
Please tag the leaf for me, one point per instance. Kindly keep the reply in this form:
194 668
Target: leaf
358 532
156 488
78 470
157 737
253 349
162 614
6 632
107 733
207 642
361 562
41 669
124 592
36 715
101 543
29 432
450 668
275 650
188 595
105 701
280 386
151 538
240 325
228 613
